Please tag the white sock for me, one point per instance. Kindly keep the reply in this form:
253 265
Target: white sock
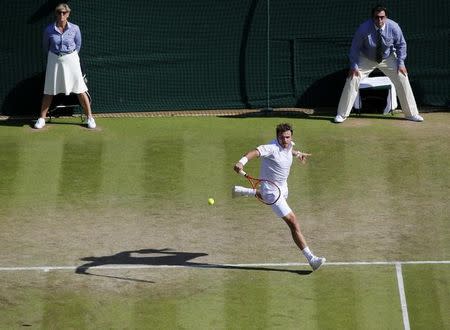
307 253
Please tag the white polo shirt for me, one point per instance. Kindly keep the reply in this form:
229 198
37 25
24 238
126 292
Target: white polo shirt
276 162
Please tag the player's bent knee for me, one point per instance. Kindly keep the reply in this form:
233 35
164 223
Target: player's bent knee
291 219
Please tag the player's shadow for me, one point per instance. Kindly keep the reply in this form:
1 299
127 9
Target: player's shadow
164 257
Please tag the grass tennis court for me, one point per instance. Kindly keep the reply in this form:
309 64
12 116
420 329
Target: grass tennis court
111 229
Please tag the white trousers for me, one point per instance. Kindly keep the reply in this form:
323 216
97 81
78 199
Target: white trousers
390 68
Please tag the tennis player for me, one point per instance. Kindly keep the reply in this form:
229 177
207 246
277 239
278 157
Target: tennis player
277 157
62 41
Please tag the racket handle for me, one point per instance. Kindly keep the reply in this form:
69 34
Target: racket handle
241 172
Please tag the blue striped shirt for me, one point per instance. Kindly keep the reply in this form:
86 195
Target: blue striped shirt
61 43
365 42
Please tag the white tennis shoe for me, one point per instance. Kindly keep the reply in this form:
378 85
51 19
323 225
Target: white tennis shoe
39 123
417 118
237 191
339 119
91 122
317 262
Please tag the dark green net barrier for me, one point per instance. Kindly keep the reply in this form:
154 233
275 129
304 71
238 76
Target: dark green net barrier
147 55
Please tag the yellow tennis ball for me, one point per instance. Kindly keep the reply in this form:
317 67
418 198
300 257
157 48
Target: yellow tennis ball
211 201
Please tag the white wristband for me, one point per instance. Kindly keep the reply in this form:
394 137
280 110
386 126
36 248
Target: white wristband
243 160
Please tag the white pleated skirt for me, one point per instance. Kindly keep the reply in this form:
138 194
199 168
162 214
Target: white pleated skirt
63 75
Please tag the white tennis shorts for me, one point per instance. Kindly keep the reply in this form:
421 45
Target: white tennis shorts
63 75
281 207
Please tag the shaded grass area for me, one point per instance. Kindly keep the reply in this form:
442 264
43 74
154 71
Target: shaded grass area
206 298
374 189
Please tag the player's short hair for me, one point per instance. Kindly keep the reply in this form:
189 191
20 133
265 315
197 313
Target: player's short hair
284 127
62 7
379 8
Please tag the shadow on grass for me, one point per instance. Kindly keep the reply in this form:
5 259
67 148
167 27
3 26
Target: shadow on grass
281 113
326 114
29 123
18 122
164 257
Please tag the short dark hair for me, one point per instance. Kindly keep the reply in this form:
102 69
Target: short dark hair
281 128
379 8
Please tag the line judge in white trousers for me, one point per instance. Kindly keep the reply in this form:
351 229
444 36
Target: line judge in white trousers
386 52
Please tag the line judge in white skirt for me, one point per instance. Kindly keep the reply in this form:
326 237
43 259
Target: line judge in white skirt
62 40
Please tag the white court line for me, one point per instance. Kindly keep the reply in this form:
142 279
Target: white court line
401 291
211 265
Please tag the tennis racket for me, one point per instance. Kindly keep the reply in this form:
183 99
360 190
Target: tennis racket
271 192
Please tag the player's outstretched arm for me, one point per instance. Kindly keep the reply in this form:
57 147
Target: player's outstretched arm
248 156
301 156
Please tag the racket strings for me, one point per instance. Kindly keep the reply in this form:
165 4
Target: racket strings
269 193
266 191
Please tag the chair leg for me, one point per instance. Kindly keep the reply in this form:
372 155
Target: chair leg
81 113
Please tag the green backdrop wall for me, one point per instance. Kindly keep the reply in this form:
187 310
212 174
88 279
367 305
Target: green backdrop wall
147 55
